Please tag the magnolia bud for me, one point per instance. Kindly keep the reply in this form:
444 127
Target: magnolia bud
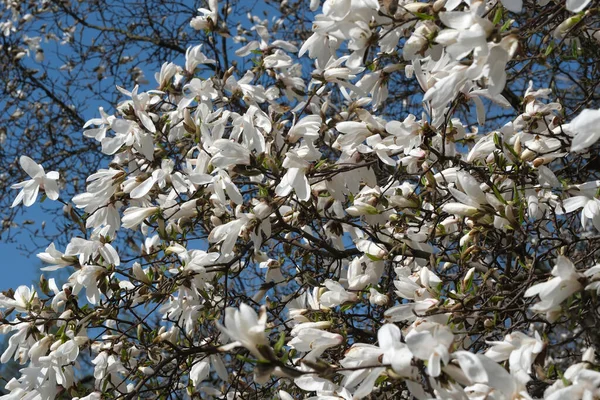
562 29
146 370
460 209
438 5
527 155
538 162
517 145
416 7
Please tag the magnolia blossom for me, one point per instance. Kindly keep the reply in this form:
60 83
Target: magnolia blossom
553 292
470 200
584 198
312 338
584 385
396 353
520 350
246 328
586 127
208 18
336 295
23 298
39 180
430 342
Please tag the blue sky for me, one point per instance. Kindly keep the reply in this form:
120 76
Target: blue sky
19 268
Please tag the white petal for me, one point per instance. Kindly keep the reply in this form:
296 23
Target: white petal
30 194
32 168
388 335
142 189
479 107
51 189
457 20
574 203
577 5
471 366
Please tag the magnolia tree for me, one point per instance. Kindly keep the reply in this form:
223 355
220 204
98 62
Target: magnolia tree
299 230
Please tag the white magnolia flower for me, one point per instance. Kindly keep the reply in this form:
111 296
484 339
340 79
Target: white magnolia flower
520 350
22 300
553 292
586 127
584 385
395 353
56 258
208 17
310 337
336 295
246 328
134 216
295 177
39 180
467 31
430 342
593 273
470 200
489 380
585 199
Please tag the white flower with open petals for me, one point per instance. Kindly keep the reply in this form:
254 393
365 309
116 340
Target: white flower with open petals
395 352
553 292
467 31
56 258
470 200
593 274
310 337
520 350
39 180
246 328
430 342
584 385
295 178
586 127
21 300
336 295
208 17
585 198
489 379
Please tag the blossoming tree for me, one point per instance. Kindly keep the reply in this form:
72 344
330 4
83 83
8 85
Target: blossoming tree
296 230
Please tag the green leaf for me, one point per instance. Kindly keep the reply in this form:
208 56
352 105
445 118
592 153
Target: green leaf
497 140
507 25
498 195
549 49
373 258
498 16
280 342
424 16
